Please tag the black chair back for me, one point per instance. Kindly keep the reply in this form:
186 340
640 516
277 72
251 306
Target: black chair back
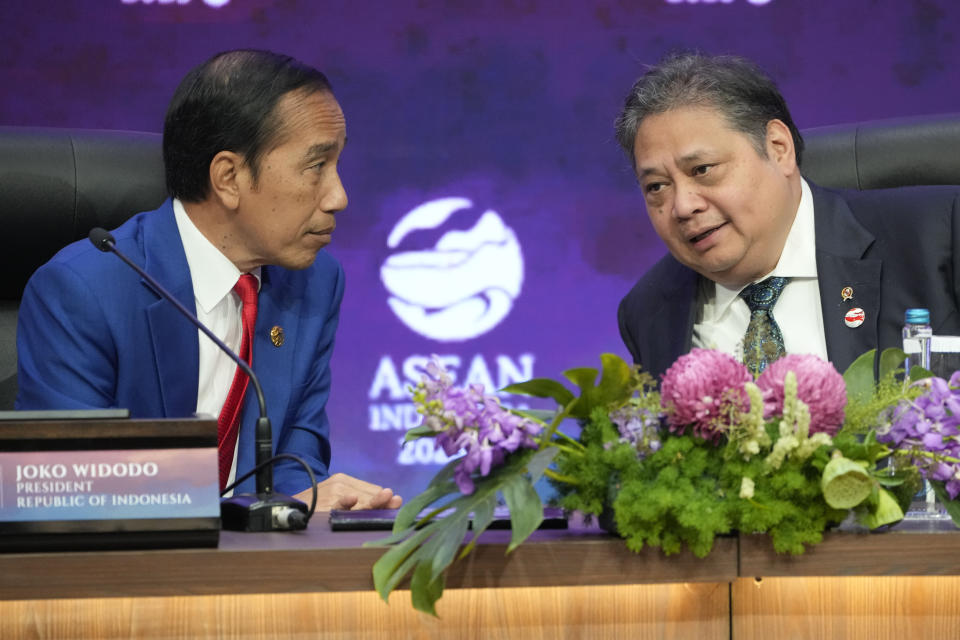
885 153
56 185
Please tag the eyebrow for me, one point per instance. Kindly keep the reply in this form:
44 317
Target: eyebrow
320 149
645 172
690 158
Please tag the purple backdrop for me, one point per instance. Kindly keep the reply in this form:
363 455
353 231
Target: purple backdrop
506 105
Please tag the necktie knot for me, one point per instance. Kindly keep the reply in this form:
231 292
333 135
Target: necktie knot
246 288
763 342
763 295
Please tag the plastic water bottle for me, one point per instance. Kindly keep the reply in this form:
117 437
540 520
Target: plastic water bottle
917 334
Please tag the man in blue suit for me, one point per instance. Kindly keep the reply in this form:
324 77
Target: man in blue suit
251 143
763 262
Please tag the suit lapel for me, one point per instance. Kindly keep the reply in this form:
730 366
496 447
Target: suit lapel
841 244
174 338
669 330
175 343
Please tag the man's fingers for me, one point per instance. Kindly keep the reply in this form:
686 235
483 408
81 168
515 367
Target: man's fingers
380 500
341 491
357 485
346 502
386 500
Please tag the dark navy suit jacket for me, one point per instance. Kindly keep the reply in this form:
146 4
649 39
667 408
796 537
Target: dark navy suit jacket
92 334
897 248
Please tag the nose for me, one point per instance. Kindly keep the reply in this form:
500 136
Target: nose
688 202
334 197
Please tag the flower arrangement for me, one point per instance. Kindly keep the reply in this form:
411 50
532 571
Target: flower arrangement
926 432
709 452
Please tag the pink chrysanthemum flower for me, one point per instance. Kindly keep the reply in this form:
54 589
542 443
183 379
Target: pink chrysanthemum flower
703 390
819 386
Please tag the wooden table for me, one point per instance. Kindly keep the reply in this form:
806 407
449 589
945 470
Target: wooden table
576 583
901 584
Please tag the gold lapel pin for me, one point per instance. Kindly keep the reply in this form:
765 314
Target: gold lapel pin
276 335
846 293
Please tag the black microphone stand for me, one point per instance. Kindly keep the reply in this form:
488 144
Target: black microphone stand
265 510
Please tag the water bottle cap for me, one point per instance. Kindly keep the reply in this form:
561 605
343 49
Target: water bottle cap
917 316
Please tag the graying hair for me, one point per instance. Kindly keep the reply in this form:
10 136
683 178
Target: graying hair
743 94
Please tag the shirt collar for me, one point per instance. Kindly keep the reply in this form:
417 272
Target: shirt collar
213 274
798 258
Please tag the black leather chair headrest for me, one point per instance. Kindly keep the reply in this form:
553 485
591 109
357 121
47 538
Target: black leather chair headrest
885 153
57 184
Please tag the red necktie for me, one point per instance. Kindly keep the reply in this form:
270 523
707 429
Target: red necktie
229 420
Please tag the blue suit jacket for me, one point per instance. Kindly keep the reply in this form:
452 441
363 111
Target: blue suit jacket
897 248
92 334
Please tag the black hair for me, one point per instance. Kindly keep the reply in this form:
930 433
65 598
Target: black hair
228 103
737 88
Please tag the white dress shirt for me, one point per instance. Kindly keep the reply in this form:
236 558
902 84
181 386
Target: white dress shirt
218 307
723 316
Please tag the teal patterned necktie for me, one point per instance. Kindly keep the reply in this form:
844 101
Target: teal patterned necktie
763 342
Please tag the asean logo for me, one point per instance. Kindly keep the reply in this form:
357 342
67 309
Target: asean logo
464 284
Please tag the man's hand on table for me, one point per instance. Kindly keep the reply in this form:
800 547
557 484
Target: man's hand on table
341 491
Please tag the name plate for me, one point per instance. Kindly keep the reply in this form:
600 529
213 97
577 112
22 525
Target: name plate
81 484
96 485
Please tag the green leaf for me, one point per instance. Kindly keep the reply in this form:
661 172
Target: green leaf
427 552
424 593
919 373
423 431
889 480
583 377
544 416
391 580
438 552
483 514
542 388
952 506
409 513
482 517
890 360
390 540
430 550
874 449
884 511
526 509
540 461
859 376
393 565
615 382
616 385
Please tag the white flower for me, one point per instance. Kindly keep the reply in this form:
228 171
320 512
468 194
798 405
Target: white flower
811 444
750 432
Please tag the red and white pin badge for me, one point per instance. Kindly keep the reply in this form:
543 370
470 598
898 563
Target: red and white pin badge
854 317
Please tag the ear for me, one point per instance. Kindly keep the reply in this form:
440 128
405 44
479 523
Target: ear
780 147
226 178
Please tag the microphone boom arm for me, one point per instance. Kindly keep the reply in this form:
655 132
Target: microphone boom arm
265 501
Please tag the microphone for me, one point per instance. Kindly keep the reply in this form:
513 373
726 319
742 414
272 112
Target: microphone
265 510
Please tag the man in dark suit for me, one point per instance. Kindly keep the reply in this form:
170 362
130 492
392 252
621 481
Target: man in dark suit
761 261
251 143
